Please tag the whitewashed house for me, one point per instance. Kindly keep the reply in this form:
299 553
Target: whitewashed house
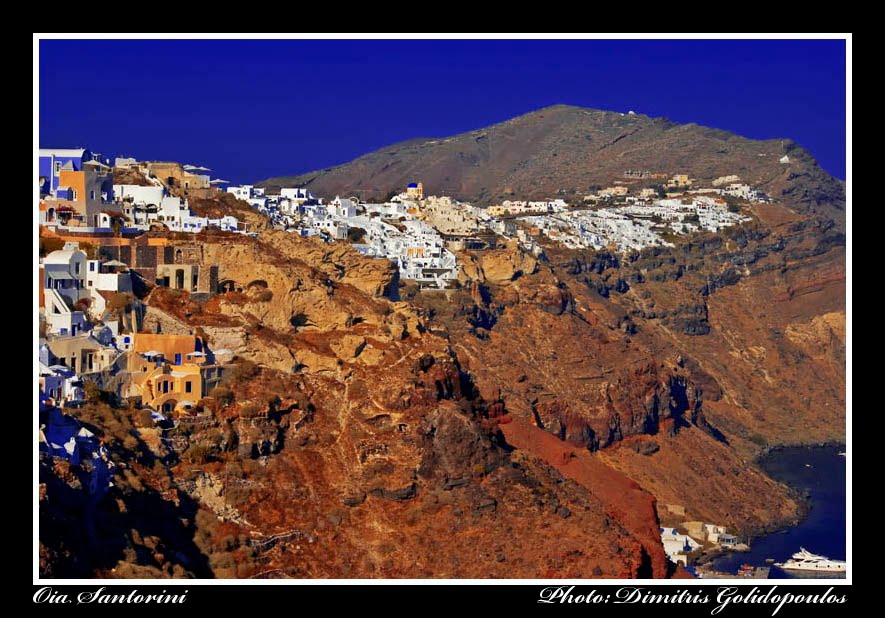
342 207
139 194
677 545
63 275
111 276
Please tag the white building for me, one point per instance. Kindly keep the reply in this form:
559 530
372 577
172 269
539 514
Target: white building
335 229
65 271
635 225
677 545
146 205
242 192
342 208
110 276
725 180
63 284
59 385
255 196
139 194
719 535
299 195
195 225
745 192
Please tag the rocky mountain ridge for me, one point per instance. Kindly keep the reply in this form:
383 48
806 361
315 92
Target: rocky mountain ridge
566 151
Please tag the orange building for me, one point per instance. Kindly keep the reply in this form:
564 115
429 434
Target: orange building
164 387
84 191
175 349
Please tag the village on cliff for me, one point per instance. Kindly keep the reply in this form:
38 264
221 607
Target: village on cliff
110 232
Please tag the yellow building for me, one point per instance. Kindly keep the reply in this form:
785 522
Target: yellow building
174 175
618 190
679 180
175 349
415 191
164 387
169 372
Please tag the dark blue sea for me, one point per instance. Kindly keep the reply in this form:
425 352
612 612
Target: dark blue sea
820 471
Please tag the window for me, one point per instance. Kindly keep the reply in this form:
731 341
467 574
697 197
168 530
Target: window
57 167
92 266
92 194
74 195
187 386
77 268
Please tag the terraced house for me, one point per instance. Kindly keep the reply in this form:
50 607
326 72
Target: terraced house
170 373
75 187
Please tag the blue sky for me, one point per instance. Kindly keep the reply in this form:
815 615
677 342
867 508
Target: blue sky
252 109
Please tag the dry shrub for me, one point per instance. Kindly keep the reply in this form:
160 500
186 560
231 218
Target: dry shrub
250 410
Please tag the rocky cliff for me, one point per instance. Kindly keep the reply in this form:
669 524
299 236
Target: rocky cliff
674 365
526 423
346 441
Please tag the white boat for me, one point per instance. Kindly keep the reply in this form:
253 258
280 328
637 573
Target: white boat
804 560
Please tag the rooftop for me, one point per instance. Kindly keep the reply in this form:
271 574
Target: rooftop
61 256
62 152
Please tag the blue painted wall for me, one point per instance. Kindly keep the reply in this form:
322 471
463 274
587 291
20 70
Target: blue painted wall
47 163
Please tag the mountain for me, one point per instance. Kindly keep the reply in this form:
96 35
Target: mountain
567 151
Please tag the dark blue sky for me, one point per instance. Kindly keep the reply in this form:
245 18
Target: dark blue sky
254 109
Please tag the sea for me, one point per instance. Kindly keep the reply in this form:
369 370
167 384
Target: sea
820 471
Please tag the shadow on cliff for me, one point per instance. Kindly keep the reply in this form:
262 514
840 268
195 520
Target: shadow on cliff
89 535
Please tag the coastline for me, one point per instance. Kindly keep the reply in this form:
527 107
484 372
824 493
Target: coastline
802 497
818 486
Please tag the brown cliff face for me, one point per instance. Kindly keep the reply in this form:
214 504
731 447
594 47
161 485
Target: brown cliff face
525 424
348 441
623 499
676 365
566 151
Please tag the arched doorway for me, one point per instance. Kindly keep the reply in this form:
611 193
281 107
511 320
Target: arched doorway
226 285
